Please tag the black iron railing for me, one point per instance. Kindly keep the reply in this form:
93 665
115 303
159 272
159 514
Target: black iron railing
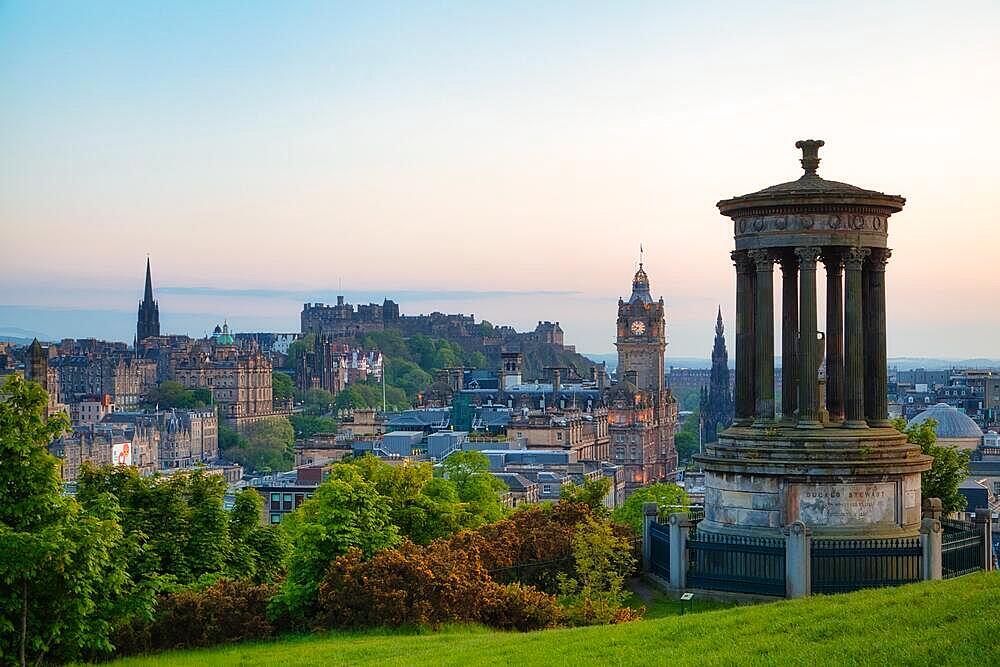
962 549
659 550
839 566
736 564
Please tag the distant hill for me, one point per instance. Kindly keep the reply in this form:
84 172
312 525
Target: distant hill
538 356
936 364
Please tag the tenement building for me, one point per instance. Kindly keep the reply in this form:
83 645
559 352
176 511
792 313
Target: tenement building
185 438
38 370
239 379
843 471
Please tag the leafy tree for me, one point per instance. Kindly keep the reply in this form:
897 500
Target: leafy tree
423 507
408 376
369 395
476 360
948 470
258 552
346 511
306 426
470 472
172 394
668 497
181 517
264 446
65 588
318 401
596 592
297 349
591 493
687 441
282 386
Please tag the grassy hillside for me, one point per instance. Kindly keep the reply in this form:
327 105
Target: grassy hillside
937 623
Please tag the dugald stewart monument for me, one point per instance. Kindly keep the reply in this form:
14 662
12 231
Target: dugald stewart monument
829 457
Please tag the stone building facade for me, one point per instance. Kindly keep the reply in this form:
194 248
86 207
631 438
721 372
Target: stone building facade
123 377
238 378
642 412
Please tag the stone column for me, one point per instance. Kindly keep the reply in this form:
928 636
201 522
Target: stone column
763 338
798 560
744 390
834 335
854 370
877 371
808 340
789 336
680 524
930 542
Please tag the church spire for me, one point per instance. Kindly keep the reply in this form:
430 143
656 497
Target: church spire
720 329
148 323
148 295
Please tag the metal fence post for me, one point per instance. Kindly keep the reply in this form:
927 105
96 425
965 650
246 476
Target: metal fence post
650 513
798 560
679 526
982 520
930 543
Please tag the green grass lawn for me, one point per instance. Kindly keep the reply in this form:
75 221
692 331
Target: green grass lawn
954 622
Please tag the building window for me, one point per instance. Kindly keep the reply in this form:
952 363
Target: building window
559 436
287 502
275 518
275 501
546 488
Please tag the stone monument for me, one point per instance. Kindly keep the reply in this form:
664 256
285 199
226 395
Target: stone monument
843 470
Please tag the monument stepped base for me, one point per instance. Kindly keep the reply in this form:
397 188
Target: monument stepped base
842 483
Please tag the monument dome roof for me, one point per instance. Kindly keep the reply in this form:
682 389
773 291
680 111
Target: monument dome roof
810 188
951 424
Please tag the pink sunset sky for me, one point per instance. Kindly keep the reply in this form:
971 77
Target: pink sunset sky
494 158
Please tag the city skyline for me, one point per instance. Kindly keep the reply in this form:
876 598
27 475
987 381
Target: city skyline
263 161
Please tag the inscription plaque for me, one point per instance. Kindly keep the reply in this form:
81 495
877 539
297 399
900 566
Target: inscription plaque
844 505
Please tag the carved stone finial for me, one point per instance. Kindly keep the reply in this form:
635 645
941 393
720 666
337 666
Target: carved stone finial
810 153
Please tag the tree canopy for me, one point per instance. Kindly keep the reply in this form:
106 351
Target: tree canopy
65 585
264 446
948 471
172 394
668 497
346 511
282 386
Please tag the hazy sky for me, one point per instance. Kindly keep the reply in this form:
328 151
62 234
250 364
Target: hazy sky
499 158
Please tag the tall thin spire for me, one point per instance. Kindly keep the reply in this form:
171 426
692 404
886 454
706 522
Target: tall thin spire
148 295
720 328
148 323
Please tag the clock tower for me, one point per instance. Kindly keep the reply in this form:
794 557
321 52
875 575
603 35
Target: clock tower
642 340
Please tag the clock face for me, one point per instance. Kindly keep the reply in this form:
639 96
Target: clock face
638 327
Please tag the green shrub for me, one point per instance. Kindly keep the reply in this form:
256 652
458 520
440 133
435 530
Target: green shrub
227 611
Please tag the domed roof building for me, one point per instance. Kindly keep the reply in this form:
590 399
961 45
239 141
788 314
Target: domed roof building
954 428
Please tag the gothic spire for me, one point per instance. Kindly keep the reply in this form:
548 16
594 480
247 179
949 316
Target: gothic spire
148 296
148 323
720 329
